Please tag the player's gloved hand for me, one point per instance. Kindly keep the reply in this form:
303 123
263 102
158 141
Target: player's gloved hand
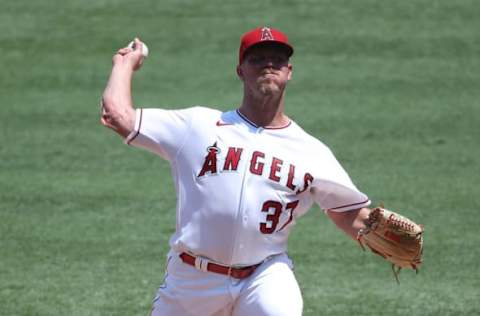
394 237
130 57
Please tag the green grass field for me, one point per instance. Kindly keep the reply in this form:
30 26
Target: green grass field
391 86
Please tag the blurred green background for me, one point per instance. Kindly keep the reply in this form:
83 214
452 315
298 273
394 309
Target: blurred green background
390 86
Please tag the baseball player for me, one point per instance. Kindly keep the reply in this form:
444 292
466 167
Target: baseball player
242 179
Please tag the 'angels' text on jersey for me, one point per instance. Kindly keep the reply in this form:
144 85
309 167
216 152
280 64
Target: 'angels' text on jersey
257 164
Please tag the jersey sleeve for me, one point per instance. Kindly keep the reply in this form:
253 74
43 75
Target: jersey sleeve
332 188
160 131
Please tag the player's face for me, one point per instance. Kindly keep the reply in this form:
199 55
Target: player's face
265 69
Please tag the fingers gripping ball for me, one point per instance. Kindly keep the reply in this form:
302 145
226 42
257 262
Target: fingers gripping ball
394 237
144 48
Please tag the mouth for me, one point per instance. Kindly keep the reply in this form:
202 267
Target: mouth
268 72
268 75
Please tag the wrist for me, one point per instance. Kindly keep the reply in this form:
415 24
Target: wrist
123 69
361 221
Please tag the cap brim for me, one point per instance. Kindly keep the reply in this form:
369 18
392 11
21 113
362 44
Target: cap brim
287 48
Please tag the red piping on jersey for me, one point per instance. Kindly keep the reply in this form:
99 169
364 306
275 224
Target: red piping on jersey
222 123
348 205
256 126
139 126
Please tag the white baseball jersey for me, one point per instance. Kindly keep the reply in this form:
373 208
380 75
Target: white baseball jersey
240 187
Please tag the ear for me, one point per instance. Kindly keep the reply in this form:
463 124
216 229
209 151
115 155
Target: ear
240 72
290 71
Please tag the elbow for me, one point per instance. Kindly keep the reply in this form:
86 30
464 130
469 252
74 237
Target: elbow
114 116
107 112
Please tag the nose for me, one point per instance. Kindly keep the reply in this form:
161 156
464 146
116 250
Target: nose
269 63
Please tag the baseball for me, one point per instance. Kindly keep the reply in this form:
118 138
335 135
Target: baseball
144 48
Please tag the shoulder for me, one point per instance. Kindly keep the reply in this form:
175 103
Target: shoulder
200 109
180 117
203 115
197 110
313 143
203 112
193 113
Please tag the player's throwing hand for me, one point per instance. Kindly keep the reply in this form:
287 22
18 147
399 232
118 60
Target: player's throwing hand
130 55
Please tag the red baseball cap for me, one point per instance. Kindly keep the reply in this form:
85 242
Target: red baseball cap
263 35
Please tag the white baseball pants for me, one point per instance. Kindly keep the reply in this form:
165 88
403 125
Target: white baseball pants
271 290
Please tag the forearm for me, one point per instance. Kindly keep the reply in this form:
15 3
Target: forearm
351 221
117 108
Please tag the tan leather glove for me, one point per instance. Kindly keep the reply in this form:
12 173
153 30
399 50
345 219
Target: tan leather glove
394 237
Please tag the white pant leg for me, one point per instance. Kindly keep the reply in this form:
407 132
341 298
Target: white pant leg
271 291
165 306
190 292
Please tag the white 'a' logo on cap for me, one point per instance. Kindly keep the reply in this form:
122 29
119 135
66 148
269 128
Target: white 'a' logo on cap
266 34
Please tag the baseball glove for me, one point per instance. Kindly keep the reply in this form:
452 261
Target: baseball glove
394 237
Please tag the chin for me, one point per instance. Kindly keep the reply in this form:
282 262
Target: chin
268 89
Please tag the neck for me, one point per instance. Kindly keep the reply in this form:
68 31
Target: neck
266 110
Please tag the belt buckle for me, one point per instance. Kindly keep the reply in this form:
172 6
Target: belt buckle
201 263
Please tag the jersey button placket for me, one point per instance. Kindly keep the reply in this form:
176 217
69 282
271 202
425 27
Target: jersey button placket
241 224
